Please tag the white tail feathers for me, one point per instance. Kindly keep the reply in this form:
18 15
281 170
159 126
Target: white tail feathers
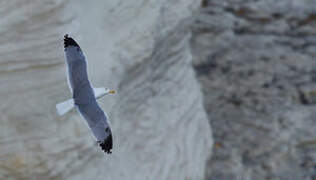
66 106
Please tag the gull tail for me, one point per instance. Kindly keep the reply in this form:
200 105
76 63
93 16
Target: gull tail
64 107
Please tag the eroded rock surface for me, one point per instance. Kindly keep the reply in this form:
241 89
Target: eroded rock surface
256 63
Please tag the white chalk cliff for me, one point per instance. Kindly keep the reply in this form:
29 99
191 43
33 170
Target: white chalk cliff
140 48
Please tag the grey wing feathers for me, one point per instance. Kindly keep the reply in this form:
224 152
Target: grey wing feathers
83 94
76 64
98 123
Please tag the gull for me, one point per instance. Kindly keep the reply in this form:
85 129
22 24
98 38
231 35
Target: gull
84 96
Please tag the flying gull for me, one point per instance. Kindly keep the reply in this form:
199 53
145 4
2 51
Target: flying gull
84 96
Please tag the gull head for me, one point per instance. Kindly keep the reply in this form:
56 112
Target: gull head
100 92
109 91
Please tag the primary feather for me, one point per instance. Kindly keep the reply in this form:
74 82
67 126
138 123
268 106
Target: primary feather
83 94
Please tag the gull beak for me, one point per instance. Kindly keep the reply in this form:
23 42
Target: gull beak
112 92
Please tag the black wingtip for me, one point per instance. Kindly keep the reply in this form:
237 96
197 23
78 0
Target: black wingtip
107 144
68 41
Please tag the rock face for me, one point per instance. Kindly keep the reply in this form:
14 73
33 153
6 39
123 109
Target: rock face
256 63
156 132
141 48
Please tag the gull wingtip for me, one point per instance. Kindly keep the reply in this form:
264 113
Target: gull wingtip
68 41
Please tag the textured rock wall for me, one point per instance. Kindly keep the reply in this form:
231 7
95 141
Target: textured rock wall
140 48
256 63
31 81
158 133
